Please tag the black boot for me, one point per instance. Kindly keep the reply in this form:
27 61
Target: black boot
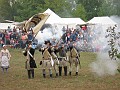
56 74
70 73
32 71
44 75
51 75
76 73
65 70
40 62
60 71
29 72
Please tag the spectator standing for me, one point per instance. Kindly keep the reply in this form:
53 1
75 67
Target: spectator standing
5 58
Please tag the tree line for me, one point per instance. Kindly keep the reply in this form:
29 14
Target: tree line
19 10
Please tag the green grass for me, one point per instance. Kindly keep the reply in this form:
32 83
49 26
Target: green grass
16 78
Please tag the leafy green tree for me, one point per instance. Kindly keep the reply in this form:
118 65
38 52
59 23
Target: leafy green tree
5 10
91 7
28 8
107 9
60 7
116 4
79 12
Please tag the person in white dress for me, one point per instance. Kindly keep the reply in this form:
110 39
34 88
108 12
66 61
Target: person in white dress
5 58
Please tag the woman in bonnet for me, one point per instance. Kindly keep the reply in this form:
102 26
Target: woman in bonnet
4 58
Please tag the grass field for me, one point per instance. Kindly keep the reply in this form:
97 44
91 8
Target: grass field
16 78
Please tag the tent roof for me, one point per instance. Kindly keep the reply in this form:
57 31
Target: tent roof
54 18
102 20
5 25
72 21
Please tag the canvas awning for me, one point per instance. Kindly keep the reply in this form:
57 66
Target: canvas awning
102 20
72 21
53 18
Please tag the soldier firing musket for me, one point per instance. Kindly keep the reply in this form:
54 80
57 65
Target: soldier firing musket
74 57
47 61
62 57
35 22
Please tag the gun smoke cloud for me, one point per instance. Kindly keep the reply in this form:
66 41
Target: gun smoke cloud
49 33
104 66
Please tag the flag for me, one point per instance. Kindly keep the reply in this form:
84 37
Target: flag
36 21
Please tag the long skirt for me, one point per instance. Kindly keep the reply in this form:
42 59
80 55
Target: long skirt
5 62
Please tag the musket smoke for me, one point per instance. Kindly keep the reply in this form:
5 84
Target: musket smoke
104 66
49 34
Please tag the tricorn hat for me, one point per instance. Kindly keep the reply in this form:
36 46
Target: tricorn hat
48 41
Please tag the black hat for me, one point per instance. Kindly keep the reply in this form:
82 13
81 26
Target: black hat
48 41
45 42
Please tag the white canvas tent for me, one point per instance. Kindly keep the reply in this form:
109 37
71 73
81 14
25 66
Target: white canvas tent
49 32
72 21
99 26
102 20
53 18
4 26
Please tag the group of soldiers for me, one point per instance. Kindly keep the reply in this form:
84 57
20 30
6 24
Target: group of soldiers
56 58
